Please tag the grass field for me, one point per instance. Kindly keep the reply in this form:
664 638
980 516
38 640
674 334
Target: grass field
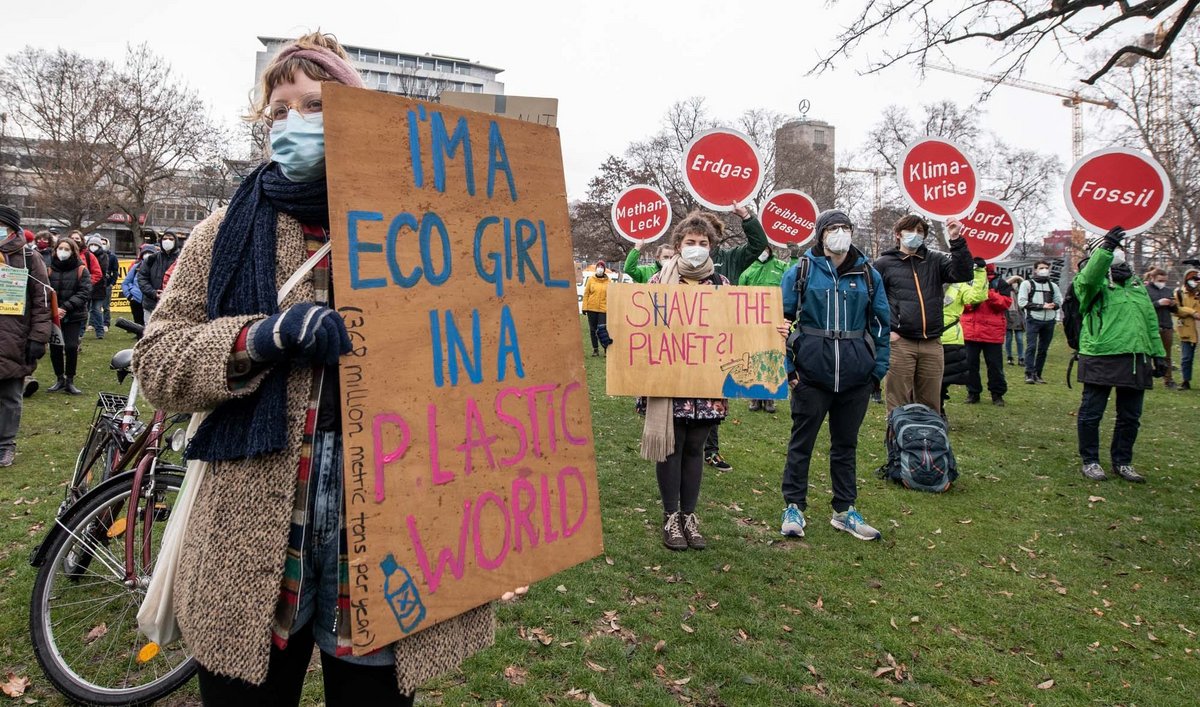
1025 584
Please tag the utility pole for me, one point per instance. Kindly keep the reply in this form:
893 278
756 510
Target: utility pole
877 205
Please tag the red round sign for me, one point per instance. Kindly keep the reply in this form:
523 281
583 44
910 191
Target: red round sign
641 214
721 167
789 217
938 179
989 230
1117 187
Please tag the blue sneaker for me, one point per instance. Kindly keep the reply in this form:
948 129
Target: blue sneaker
793 522
852 522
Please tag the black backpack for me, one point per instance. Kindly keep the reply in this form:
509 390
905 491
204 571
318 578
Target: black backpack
1072 316
918 447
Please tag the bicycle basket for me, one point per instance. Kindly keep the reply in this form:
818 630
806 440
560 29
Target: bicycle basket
112 403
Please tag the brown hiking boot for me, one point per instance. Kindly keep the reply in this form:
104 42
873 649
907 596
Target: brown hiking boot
691 532
673 533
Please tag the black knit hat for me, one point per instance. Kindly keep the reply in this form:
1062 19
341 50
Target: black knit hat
10 217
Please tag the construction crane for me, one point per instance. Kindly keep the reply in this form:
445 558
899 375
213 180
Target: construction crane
878 204
1071 99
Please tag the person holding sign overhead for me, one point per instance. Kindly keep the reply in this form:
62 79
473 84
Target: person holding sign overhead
675 429
913 277
262 573
837 354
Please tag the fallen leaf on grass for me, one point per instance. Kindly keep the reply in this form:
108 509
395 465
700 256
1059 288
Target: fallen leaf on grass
890 668
596 667
96 633
726 568
915 620
987 680
820 605
515 675
892 621
687 628
1061 590
15 686
609 560
682 681
1045 685
593 702
658 647
1096 499
544 638
787 629
743 636
561 589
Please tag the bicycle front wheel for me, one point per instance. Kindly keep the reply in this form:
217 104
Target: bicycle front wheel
83 621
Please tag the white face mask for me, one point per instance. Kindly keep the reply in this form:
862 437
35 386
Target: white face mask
1118 256
94 248
837 241
1042 272
911 239
599 271
168 245
766 255
694 255
1161 283
64 255
1193 283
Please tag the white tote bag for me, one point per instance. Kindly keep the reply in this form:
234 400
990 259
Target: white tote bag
156 615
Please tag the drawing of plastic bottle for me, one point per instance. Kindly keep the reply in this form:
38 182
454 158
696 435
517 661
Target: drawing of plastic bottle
402 595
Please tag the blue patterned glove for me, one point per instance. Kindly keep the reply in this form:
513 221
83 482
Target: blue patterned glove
303 331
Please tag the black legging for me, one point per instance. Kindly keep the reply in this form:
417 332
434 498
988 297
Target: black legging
345 683
139 314
65 357
680 475
595 319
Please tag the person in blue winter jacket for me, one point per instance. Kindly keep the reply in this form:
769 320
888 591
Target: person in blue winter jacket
132 290
838 353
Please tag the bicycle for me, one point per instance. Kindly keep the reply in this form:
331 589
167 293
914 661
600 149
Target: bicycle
82 618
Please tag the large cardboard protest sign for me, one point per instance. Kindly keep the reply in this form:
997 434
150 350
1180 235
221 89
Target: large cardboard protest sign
1117 187
641 214
789 217
469 462
722 167
989 230
938 179
691 341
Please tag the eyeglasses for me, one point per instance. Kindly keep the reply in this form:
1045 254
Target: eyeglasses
838 229
309 104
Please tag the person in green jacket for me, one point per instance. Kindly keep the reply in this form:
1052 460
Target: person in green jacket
1119 347
767 271
731 262
954 351
642 273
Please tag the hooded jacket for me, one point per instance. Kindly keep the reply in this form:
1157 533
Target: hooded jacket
914 286
987 321
1119 336
595 293
1162 311
16 331
1189 306
129 287
841 337
958 296
151 272
73 284
768 274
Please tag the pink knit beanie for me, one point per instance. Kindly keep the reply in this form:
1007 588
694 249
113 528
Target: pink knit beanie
334 65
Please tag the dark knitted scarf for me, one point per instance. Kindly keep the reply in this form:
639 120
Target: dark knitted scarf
241 281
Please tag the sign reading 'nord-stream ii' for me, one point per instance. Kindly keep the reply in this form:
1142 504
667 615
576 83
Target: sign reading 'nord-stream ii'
469 461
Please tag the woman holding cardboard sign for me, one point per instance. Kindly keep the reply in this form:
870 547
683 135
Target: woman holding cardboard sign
676 428
259 578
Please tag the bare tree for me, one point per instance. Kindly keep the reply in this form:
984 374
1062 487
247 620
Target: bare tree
903 30
592 232
67 120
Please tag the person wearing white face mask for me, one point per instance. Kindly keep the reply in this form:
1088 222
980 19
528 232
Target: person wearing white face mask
1040 299
595 302
1164 307
220 340
914 277
838 352
72 284
154 269
1187 296
24 335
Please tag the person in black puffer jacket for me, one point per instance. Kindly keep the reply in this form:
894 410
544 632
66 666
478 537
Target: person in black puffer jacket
72 282
152 270
913 277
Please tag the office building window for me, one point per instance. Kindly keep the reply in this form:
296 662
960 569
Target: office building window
819 137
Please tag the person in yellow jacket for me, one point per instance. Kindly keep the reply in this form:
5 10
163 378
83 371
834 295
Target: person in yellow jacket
595 302
958 296
1187 296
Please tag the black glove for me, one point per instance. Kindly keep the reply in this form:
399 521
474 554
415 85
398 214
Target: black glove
1112 239
34 350
1160 367
603 337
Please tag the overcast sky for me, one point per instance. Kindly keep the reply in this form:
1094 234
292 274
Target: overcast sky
614 65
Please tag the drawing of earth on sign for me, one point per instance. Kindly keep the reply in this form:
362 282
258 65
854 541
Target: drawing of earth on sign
758 376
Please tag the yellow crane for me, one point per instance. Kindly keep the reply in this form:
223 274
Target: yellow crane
1071 99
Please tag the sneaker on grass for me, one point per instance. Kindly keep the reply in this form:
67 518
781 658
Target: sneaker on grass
793 522
1093 472
852 522
717 462
673 532
1127 472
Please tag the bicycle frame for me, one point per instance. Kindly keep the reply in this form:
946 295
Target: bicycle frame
147 464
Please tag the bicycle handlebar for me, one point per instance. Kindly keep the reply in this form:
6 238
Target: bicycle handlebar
135 329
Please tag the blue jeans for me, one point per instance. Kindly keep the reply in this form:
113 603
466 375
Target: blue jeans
1019 337
319 579
96 317
1038 335
1188 352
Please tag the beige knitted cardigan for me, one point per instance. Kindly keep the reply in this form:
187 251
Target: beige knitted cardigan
231 568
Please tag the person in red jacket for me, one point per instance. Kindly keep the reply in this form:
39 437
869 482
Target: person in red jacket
87 258
984 326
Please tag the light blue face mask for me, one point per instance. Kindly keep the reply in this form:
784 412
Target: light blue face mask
298 146
912 241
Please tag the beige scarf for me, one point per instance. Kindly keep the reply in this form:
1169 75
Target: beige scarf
658 432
